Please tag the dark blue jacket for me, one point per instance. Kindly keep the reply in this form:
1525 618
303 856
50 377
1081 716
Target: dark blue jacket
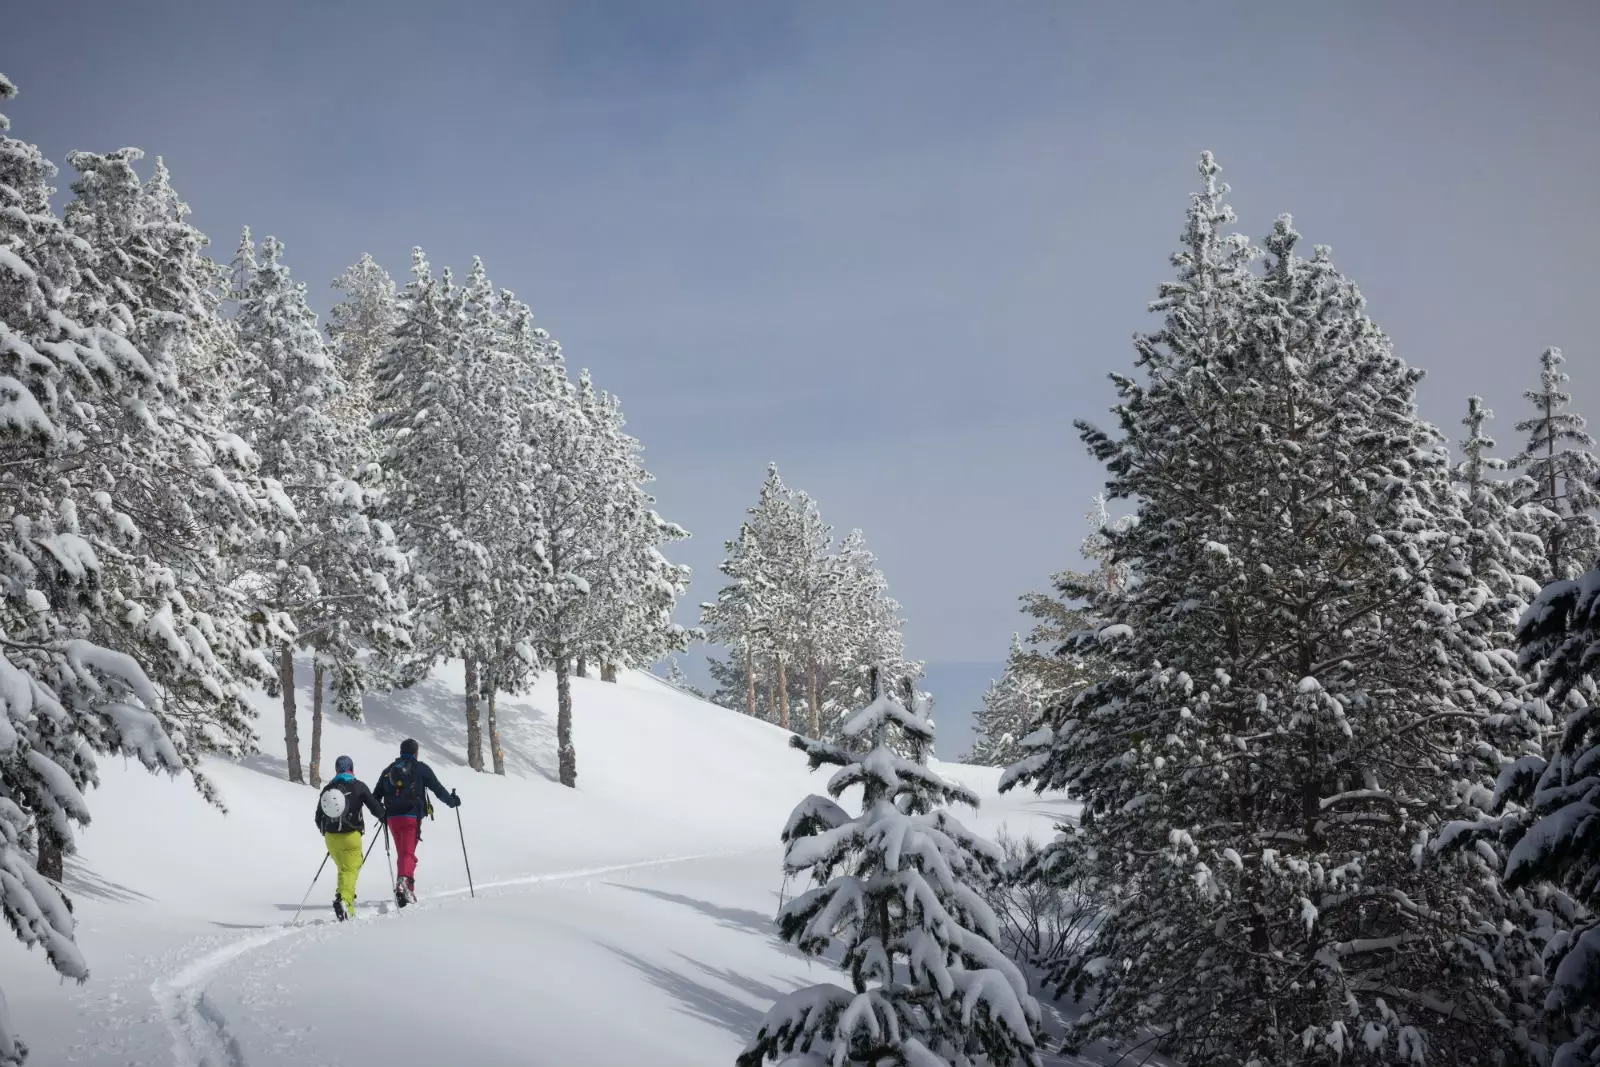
397 807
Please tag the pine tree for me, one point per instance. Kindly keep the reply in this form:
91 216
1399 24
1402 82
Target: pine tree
1563 474
679 680
333 570
634 588
361 326
1276 736
1561 850
447 419
611 591
901 888
1049 655
1010 707
735 620
114 641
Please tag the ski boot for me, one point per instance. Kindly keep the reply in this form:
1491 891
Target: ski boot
338 909
405 891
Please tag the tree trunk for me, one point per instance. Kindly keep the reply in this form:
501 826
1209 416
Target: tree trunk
815 698
608 671
316 725
474 731
772 701
749 680
566 756
495 751
291 727
583 665
52 864
783 696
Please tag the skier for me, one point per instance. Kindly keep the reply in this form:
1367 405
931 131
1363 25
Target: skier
402 792
339 819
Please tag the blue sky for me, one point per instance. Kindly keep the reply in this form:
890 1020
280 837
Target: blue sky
894 246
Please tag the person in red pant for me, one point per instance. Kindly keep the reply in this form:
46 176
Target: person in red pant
403 791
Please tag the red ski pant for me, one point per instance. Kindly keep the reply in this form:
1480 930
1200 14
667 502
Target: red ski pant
405 829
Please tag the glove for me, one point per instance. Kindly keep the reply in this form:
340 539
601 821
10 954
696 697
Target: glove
455 801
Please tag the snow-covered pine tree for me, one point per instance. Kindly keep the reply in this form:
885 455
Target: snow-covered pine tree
1560 641
628 611
361 326
1488 593
1562 473
447 421
104 551
868 633
678 679
147 276
901 888
801 619
1097 545
1010 706
734 621
814 592
776 526
1276 736
610 592
334 570
1050 655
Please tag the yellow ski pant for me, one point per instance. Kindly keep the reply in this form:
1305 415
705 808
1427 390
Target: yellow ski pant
346 852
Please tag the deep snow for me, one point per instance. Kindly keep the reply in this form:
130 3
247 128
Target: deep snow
627 921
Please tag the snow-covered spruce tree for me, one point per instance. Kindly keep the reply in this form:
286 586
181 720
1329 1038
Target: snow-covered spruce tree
360 327
1011 705
108 492
1560 640
1280 726
901 888
334 570
1563 475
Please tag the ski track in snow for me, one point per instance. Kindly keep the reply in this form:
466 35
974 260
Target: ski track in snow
201 1037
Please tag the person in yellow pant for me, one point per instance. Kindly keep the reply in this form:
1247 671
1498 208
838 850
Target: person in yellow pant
339 818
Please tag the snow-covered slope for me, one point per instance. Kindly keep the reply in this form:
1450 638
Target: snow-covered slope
628 919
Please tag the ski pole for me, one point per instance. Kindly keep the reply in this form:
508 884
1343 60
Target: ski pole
387 857
368 852
309 888
462 834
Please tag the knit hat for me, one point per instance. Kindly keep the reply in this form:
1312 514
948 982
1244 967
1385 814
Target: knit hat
408 747
344 765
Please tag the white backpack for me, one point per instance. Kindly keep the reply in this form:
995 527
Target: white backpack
332 806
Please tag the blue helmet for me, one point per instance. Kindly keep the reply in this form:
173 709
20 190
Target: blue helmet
344 765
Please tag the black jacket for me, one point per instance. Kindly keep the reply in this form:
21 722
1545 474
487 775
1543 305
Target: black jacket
415 804
356 796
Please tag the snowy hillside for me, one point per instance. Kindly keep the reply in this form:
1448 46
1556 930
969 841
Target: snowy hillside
626 921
